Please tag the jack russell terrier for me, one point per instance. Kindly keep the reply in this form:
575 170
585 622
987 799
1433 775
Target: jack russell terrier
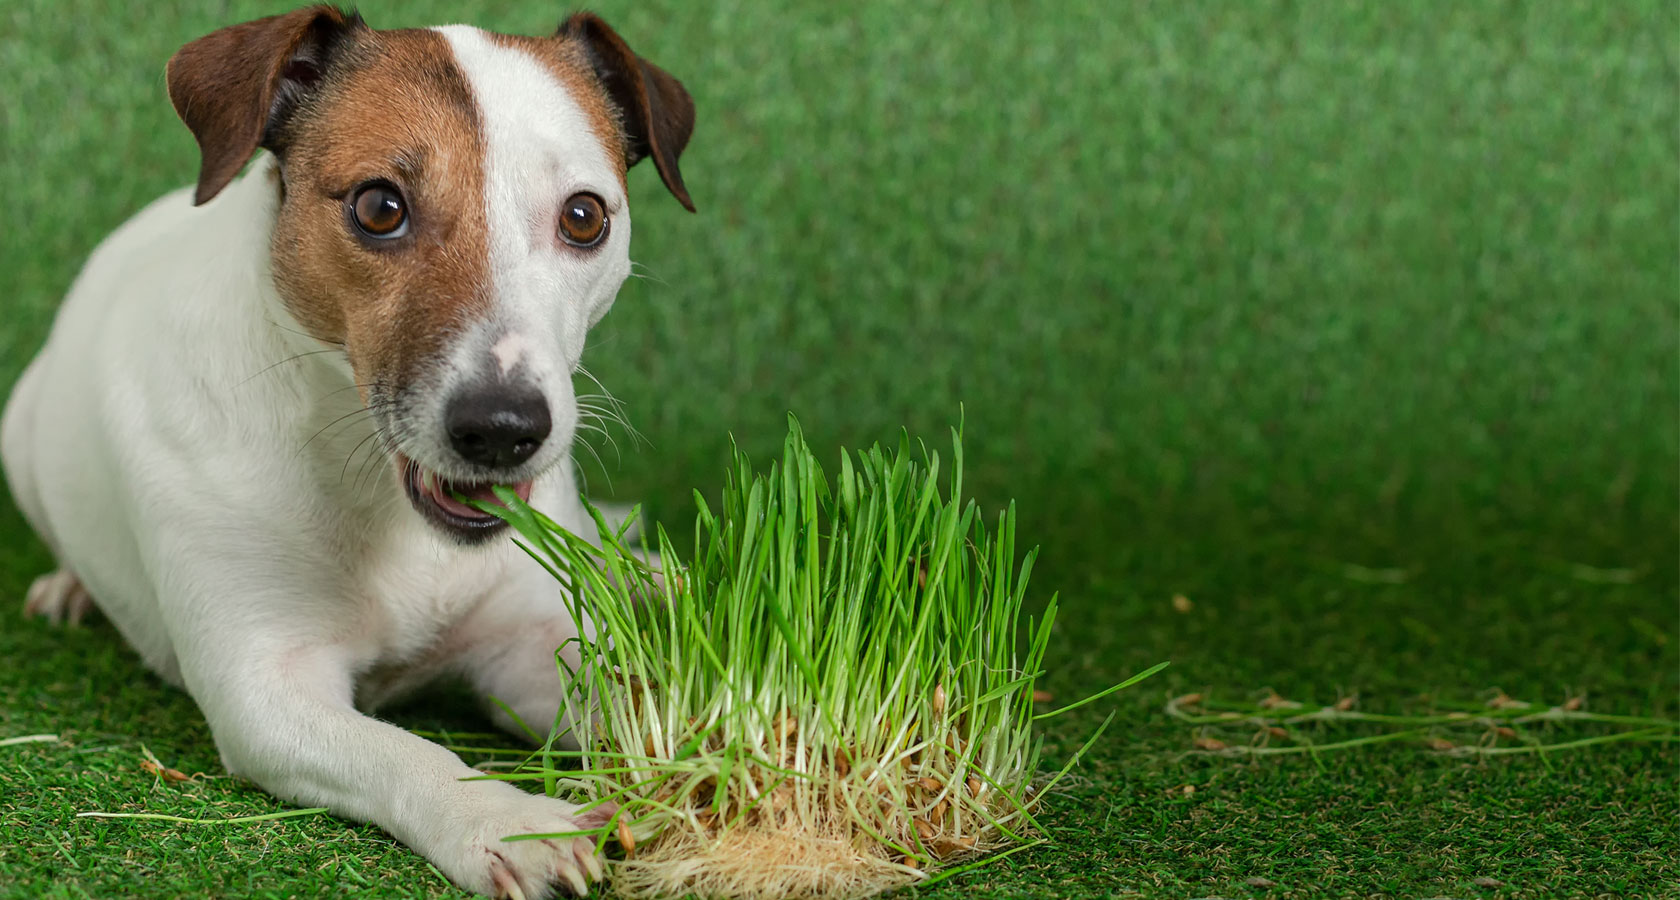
245 436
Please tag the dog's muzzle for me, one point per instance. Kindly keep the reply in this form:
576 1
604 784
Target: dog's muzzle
436 498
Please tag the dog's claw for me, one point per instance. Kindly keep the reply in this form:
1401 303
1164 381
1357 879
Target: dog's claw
59 598
574 880
507 886
590 863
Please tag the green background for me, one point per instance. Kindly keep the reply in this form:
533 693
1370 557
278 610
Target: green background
1353 323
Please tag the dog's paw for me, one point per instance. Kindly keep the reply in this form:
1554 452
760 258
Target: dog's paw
58 597
534 868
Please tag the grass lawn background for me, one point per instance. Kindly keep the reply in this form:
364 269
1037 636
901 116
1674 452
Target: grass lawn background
1355 324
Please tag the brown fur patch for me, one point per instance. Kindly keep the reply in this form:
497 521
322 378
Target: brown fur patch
394 107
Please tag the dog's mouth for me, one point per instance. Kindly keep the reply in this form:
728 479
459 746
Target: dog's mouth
434 497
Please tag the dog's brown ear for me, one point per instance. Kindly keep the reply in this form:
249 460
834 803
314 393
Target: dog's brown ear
233 87
656 113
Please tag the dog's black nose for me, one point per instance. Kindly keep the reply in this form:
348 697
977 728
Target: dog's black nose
497 428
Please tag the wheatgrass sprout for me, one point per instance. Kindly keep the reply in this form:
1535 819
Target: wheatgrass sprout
830 695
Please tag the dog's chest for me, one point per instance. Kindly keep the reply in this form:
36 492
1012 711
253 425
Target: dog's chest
416 589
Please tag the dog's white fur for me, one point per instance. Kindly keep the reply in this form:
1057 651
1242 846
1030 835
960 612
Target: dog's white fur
189 455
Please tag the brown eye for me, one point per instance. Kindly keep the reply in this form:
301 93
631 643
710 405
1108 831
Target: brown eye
379 211
583 220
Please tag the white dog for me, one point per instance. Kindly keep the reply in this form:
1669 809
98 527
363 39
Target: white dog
245 436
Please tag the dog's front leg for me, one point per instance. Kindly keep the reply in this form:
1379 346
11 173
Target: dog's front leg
510 642
508 648
282 715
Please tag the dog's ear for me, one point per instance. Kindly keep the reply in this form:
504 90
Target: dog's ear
235 86
655 111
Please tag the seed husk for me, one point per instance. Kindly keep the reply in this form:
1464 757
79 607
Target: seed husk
164 772
949 846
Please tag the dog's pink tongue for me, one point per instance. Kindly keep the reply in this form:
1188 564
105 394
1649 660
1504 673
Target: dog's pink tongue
446 491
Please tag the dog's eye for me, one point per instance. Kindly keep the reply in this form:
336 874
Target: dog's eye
583 220
379 211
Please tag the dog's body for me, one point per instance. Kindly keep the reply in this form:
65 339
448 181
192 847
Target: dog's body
244 437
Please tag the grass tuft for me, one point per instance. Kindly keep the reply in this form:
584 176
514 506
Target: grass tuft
831 696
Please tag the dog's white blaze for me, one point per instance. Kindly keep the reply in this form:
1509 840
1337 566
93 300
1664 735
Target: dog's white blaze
540 149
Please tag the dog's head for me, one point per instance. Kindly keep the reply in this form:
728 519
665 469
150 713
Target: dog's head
453 213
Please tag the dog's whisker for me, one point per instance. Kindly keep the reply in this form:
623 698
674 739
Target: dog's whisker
585 429
607 402
340 345
637 440
373 456
583 370
604 412
308 353
605 473
609 407
597 418
364 411
385 449
580 474
596 429
646 274
367 411
367 475
375 406
370 385
353 450
618 454
349 458
603 417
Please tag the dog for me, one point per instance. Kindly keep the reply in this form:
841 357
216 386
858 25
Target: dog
249 430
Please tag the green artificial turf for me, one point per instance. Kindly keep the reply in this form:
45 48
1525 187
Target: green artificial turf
1353 324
